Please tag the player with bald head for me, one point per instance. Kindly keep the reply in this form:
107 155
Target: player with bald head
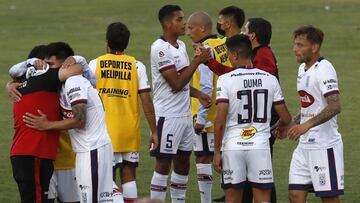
199 26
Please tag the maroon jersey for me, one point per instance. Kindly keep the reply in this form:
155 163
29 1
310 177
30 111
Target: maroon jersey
38 93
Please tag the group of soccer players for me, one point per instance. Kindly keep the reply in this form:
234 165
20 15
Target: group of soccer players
236 111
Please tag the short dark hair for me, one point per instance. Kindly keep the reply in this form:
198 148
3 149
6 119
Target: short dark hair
167 11
38 52
237 13
313 34
240 44
262 29
117 36
61 50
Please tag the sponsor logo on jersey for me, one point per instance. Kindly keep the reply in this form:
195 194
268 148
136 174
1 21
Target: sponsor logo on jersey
248 133
265 172
306 99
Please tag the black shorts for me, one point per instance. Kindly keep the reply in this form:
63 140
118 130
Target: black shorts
32 175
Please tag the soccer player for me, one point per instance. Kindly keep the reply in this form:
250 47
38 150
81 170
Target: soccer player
84 117
32 152
199 28
230 21
171 73
63 184
242 124
121 79
317 163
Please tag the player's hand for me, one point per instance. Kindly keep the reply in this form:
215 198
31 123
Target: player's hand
204 100
68 62
202 55
154 142
13 92
297 130
36 122
40 64
216 162
198 128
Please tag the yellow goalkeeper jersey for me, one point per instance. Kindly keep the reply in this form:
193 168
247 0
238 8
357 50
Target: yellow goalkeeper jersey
219 50
65 158
117 84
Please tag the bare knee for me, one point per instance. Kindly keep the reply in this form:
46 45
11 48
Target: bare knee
297 196
204 159
163 166
182 164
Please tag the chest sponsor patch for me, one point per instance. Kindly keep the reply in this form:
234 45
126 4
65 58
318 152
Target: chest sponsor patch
248 133
306 99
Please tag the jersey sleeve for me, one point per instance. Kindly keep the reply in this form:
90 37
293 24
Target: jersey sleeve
92 68
206 87
163 58
327 80
278 96
76 90
144 85
222 95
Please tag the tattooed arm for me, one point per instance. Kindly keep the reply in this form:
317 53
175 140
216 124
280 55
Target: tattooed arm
332 109
40 122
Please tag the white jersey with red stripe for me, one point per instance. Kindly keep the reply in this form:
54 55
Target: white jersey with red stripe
250 93
77 90
163 57
313 86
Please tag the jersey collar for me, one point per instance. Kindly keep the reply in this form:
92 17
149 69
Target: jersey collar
251 66
214 36
117 52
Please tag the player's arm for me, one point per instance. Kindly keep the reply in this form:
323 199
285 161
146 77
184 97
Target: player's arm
40 122
332 109
222 108
206 86
219 129
204 99
218 68
177 81
87 72
147 103
284 118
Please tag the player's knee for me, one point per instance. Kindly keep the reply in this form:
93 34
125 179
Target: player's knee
163 166
294 197
206 159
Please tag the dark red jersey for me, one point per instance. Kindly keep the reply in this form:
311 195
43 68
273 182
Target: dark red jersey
38 93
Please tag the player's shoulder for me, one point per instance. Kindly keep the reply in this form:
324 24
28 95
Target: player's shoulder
76 79
93 61
323 63
159 43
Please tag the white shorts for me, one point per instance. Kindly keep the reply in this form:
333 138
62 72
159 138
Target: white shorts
175 136
94 174
63 186
127 158
254 165
319 170
204 144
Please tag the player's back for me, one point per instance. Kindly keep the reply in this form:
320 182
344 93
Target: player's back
76 90
163 57
250 93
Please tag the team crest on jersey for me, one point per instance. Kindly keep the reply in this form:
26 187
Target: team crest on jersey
306 99
161 54
248 133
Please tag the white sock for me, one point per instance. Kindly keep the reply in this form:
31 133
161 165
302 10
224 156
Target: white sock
129 191
204 175
158 186
178 187
117 195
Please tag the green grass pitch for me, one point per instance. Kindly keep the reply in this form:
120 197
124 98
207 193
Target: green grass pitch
82 23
